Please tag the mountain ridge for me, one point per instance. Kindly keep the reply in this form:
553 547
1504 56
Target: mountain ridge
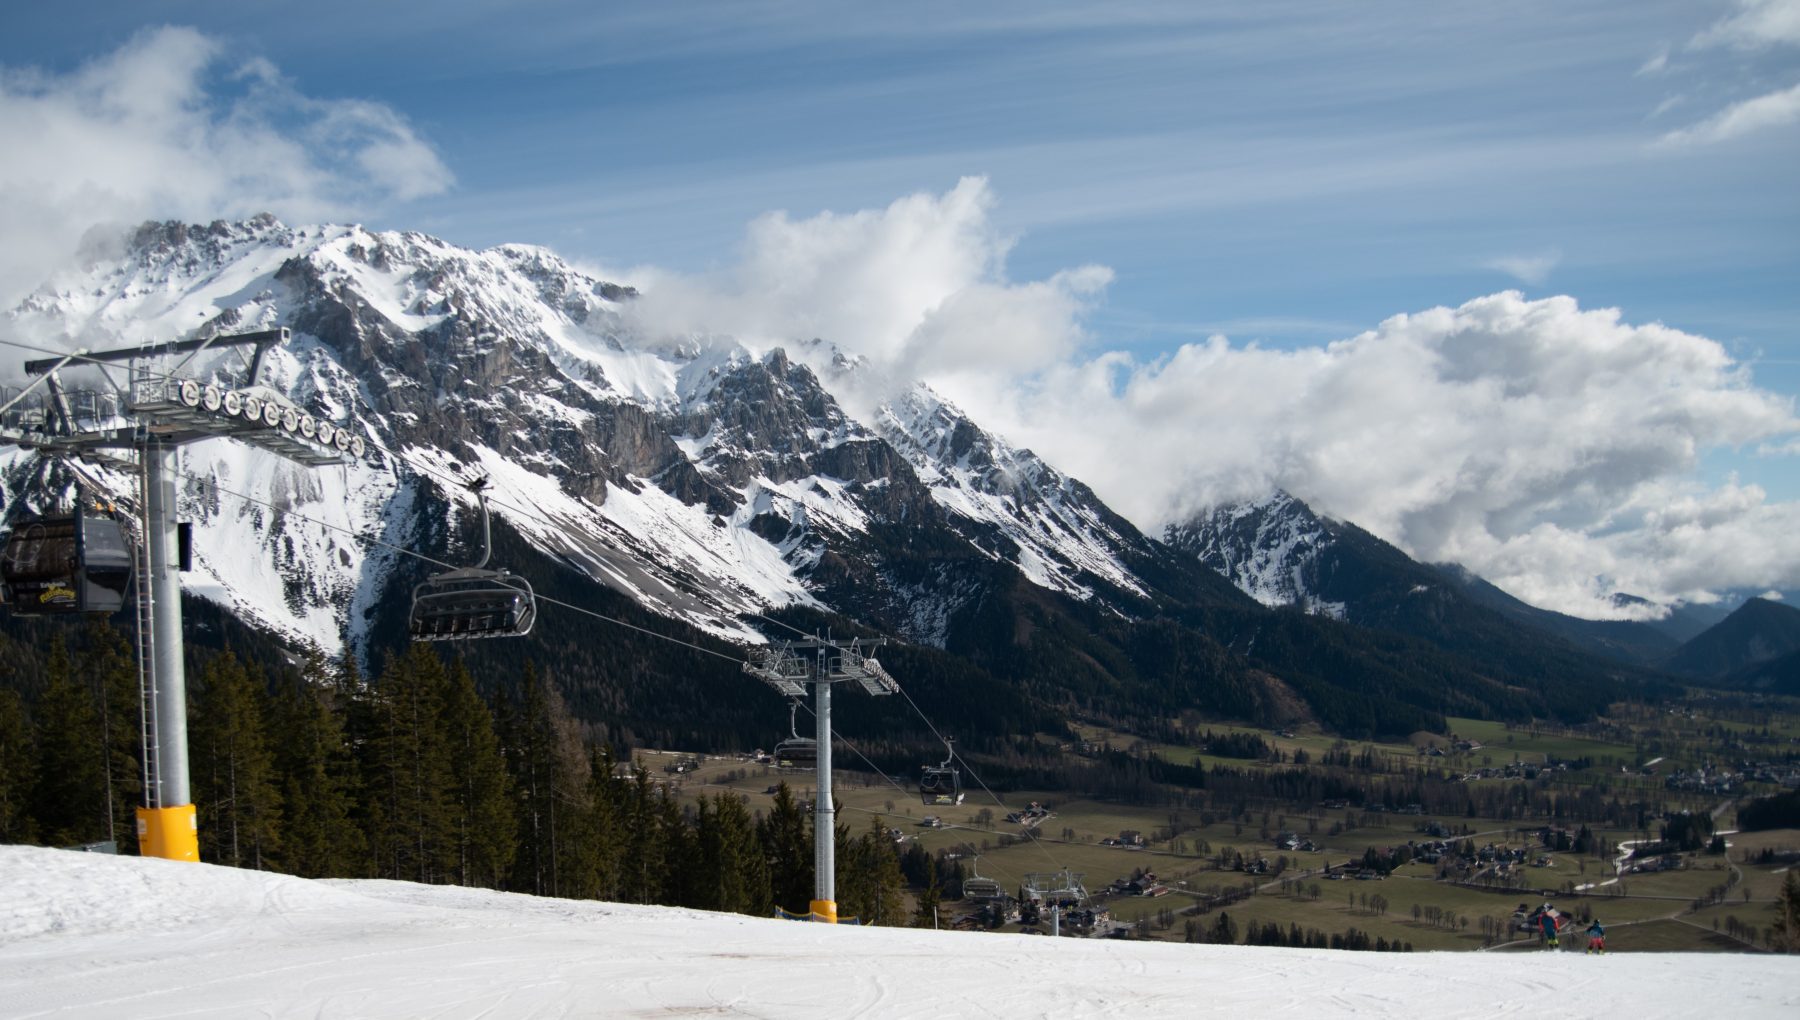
709 481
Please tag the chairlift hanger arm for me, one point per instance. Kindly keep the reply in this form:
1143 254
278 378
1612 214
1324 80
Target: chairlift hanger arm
262 338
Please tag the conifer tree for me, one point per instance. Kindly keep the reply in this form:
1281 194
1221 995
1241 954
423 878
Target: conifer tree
732 874
869 881
320 838
486 827
18 770
680 855
1787 914
233 766
550 771
929 897
106 661
355 706
642 862
605 808
410 822
739 827
69 797
786 839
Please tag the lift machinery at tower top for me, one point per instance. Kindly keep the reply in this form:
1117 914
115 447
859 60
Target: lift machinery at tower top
84 561
819 663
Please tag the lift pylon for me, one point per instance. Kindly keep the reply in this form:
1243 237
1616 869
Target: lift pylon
819 663
140 428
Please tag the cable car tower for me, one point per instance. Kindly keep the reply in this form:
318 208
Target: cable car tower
138 427
791 668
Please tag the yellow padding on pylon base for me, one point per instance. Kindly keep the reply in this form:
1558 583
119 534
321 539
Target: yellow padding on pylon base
825 910
172 833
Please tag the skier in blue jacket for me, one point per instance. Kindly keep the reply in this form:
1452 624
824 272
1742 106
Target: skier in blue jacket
1596 937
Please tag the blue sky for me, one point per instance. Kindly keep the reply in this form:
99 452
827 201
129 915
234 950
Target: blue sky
1286 174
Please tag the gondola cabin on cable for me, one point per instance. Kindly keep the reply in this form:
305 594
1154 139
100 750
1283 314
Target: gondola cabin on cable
472 602
796 753
799 754
941 784
69 563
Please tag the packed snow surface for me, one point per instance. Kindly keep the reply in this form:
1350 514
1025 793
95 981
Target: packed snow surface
89 935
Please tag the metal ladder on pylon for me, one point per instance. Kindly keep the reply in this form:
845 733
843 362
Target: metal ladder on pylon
146 649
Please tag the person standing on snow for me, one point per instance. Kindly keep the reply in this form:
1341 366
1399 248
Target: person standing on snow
1547 920
1596 937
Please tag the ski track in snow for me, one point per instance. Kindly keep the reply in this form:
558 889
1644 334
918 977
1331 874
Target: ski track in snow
90 935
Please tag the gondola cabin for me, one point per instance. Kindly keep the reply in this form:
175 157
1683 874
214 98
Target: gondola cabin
482 604
797 754
940 785
74 563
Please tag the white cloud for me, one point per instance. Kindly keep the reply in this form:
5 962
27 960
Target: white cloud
1751 115
169 126
1544 445
1655 65
1757 24
1547 446
1532 269
917 284
1666 105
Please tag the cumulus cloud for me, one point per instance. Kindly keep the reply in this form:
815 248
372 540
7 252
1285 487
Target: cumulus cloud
1751 115
917 285
1547 446
1544 445
168 126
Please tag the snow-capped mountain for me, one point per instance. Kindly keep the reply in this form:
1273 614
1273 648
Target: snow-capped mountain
1274 549
711 481
1281 552
706 479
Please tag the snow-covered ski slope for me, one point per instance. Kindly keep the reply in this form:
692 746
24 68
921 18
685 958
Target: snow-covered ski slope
86 935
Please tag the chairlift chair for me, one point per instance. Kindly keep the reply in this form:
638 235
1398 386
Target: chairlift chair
979 889
942 784
796 753
473 602
57 565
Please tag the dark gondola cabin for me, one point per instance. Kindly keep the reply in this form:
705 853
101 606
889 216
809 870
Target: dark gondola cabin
940 784
797 754
73 563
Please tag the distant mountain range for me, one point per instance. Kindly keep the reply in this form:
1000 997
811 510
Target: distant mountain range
719 493
1278 551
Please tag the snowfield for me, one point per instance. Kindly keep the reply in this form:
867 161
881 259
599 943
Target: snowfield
88 935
